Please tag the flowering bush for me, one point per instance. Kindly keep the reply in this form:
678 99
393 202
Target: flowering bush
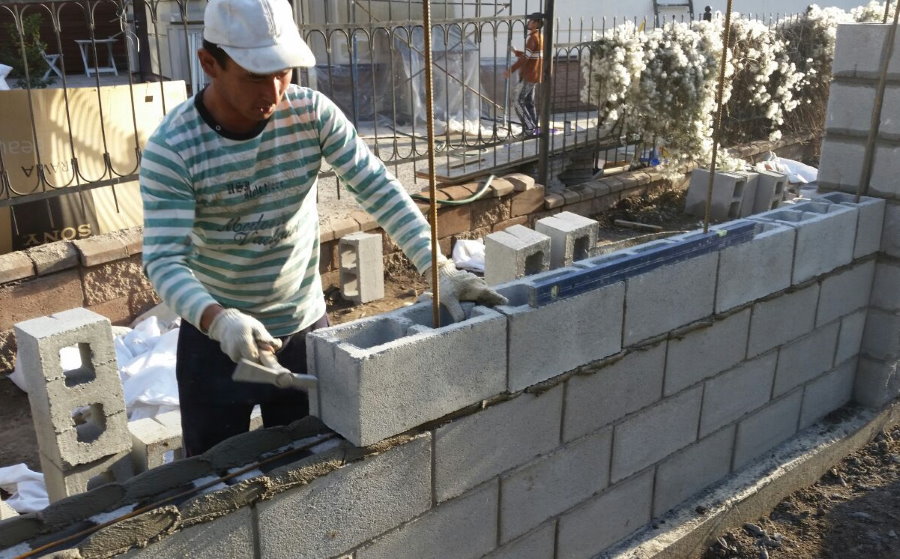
873 12
664 81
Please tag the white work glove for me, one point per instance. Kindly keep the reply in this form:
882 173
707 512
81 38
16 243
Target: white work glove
241 335
460 285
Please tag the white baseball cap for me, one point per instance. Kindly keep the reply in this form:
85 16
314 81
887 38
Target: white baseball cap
259 35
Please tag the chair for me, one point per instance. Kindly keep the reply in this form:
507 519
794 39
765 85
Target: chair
51 60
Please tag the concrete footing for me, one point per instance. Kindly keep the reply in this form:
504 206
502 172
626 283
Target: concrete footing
754 491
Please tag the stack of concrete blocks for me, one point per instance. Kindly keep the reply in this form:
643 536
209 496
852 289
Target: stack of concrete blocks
733 196
381 376
515 252
572 237
859 61
362 267
79 415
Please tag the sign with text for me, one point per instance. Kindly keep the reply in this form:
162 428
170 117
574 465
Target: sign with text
100 131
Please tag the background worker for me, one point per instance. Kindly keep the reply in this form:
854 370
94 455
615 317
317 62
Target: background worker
231 228
529 64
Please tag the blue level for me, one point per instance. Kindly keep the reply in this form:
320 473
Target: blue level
617 267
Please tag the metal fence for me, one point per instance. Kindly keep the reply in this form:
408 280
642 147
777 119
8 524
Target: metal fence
369 60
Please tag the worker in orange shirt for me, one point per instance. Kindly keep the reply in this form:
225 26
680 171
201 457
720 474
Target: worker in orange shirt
529 64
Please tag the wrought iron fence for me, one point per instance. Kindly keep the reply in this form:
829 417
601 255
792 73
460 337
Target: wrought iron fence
94 76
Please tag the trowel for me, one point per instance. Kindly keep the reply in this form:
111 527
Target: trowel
269 371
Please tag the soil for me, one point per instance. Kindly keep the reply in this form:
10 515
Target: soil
853 512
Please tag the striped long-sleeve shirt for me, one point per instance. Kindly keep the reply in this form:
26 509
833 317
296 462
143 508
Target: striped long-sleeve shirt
235 222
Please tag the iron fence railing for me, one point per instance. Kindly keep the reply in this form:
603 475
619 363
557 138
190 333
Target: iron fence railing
72 134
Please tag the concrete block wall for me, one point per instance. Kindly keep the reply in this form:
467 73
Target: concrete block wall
855 94
536 470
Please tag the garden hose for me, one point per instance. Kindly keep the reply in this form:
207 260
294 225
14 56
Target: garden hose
468 200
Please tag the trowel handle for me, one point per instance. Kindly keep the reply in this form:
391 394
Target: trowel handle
287 379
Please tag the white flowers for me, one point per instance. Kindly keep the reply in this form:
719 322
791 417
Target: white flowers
663 82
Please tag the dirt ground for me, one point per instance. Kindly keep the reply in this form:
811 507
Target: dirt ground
853 512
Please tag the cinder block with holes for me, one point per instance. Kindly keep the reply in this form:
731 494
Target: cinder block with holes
515 252
151 440
79 414
826 235
732 196
572 237
362 267
769 191
384 375
868 225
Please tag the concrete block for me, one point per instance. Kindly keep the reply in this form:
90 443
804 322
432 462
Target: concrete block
381 376
827 393
612 392
885 294
885 180
15 266
6 511
877 382
826 235
228 536
850 108
475 448
889 127
841 163
751 379
770 188
65 482
362 267
79 414
881 338
471 518
858 50
589 328
781 319
850 336
890 234
732 197
349 506
704 352
805 359
654 433
845 292
553 484
697 466
515 252
572 237
868 225
766 429
538 544
750 271
606 519
668 297
151 441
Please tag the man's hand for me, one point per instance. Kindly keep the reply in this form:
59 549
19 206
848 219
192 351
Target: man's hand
460 285
241 335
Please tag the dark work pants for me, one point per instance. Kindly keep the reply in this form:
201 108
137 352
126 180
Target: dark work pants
525 107
214 407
